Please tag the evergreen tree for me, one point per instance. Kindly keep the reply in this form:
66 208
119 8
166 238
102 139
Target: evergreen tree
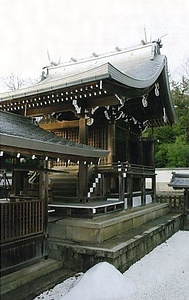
172 143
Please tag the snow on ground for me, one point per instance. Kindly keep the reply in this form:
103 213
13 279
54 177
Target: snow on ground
163 274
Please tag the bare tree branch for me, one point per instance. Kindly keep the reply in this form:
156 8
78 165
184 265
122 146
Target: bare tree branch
16 82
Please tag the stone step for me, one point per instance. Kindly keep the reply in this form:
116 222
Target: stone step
121 250
186 223
32 289
21 277
104 226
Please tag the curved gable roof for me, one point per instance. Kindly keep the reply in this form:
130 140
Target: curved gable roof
131 73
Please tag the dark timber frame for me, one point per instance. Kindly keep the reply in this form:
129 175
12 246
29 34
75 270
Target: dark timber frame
104 102
24 201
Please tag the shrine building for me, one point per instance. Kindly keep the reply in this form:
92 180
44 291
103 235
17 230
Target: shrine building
107 186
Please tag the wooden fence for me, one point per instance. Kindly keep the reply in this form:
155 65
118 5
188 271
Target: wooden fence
21 219
22 233
175 201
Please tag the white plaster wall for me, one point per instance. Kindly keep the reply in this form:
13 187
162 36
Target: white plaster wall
163 177
148 199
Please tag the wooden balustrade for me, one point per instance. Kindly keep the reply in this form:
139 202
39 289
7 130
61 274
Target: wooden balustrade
175 200
21 219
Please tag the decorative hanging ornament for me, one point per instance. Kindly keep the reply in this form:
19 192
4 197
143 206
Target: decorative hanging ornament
157 89
113 113
144 101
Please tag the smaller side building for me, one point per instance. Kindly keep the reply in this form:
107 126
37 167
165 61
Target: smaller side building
25 153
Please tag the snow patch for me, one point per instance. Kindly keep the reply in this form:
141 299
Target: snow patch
102 282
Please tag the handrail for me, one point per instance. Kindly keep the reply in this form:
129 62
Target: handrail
120 170
126 167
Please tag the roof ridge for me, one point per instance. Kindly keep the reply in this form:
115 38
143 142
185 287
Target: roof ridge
101 56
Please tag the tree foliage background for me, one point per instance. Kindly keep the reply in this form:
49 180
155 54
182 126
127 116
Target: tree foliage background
172 143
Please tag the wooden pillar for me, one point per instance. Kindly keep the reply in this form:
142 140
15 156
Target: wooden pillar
111 142
43 196
105 188
42 184
121 187
154 188
83 130
83 181
15 190
143 191
128 156
83 168
124 187
186 201
130 191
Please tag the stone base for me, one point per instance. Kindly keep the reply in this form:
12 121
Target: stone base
121 251
105 227
27 275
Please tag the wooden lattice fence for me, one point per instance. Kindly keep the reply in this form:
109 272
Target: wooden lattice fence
175 200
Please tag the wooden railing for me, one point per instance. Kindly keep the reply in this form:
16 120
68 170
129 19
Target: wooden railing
127 167
128 179
21 219
175 200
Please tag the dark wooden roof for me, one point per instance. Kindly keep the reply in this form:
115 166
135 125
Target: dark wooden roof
179 180
120 77
19 134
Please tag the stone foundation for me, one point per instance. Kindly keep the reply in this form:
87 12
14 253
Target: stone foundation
102 228
120 252
120 240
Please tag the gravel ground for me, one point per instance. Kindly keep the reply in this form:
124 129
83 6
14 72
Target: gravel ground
163 274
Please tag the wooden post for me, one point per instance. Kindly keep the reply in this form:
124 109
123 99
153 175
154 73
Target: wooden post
43 196
42 192
154 188
15 190
121 187
83 168
130 191
83 181
103 185
83 130
111 142
186 201
143 191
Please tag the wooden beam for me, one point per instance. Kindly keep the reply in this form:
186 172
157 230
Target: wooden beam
21 167
29 153
100 101
59 125
86 103
45 110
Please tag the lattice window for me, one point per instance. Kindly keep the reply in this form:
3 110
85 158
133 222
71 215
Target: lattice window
71 134
97 138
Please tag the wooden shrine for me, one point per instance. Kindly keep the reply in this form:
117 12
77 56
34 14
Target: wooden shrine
105 102
25 153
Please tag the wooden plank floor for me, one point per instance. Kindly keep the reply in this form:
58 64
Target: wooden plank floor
89 208
91 204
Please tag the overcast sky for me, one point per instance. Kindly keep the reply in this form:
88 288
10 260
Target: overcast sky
76 28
